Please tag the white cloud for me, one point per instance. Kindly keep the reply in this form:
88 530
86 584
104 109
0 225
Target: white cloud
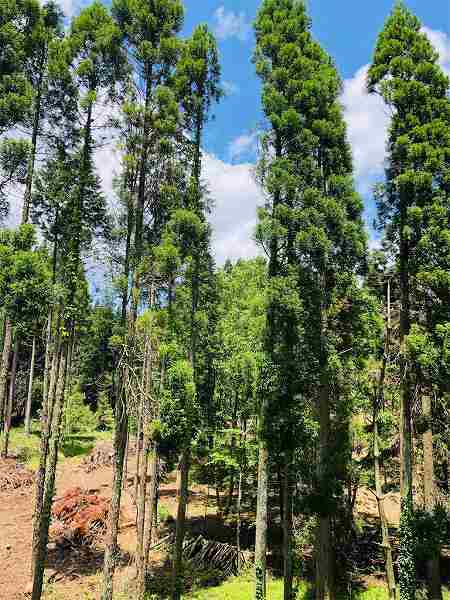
441 42
243 145
367 121
230 24
230 88
236 196
69 7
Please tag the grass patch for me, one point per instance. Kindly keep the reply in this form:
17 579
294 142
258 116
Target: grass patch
241 588
27 447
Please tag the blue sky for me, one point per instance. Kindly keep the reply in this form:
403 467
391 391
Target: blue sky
347 29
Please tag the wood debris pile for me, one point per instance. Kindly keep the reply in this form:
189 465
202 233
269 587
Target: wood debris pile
13 476
204 553
101 456
79 518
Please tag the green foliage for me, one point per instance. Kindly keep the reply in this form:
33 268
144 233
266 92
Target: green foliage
178 409
18 18
78 417
25 278
407 552
104 414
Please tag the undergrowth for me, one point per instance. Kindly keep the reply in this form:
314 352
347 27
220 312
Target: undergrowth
26 447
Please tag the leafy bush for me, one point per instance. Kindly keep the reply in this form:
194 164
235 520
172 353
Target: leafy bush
104 414
78 417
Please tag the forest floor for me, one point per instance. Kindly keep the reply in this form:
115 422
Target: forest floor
76 573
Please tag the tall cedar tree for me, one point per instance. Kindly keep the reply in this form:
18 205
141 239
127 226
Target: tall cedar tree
406 73
197 79
94 51
149 33
316 235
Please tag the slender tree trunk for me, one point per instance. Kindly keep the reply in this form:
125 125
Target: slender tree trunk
141 510
34 137
378 402
261 521
125 467
387 549
407 566
49 481
11 398
287 528
229 497
152 498
324 562
138 448
433 566
46 421
4 368
183 495
30 389
238 521
120 437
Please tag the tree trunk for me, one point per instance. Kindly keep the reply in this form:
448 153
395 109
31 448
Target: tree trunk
141 509
378 403
138 449
125 466
43 520
261 521
387 549
46 421
324 564
4 369
11 398
120 440
287 528
183 494
30 389
34 136
433 566
238 521
152 499
407 567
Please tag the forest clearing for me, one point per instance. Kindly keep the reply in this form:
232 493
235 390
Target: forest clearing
225 365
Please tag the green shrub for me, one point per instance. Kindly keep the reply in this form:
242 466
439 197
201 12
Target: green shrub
104 415
78 417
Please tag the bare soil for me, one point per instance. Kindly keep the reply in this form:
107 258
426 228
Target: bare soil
75 573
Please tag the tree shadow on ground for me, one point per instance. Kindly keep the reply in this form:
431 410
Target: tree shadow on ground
78 445
70 561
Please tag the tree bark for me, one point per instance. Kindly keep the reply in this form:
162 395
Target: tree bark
151 507
30 389
34 136
287 528
4 368
120 439
46 421
141 510
407 568
324 562
429 496
43 522
11 398
183 494
261 521
378 402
